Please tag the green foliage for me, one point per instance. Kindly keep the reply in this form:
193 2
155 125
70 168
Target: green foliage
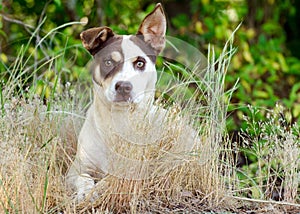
46 60
272 150
268 73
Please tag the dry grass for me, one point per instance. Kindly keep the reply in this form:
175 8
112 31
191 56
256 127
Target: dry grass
31 161
37 147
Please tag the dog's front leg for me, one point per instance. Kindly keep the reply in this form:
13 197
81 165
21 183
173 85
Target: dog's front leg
85 185
81 182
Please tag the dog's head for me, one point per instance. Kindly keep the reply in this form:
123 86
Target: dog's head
124 66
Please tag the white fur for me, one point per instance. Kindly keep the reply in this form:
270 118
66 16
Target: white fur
109 125
94 153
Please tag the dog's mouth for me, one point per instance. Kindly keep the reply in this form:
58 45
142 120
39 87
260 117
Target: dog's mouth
123 99
127 99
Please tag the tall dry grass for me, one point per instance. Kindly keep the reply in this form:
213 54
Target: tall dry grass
38 145
32 159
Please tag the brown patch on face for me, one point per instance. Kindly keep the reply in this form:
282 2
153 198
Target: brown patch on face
94 39
146 48
109 59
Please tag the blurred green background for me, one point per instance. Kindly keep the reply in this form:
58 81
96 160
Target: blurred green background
267 62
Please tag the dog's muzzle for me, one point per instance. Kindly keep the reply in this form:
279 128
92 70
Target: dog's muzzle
123 91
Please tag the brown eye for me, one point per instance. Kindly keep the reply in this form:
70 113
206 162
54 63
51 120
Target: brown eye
140 64
108 63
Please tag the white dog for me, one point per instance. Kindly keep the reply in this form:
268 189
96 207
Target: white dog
124 78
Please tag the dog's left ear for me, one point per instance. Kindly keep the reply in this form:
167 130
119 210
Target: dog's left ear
153 28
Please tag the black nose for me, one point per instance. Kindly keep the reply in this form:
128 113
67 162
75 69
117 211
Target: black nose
123 87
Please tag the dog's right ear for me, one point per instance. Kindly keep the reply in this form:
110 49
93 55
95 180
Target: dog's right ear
94 38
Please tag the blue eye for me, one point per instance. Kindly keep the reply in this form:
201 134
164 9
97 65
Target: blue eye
108 63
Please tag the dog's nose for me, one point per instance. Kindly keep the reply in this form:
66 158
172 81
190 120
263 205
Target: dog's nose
123 87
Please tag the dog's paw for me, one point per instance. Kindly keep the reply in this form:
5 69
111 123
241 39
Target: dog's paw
85 188
91 196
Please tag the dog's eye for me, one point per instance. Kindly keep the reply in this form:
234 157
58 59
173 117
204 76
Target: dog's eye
140 63
108 63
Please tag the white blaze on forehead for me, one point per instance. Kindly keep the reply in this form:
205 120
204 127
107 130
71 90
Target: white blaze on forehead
116 56
130 49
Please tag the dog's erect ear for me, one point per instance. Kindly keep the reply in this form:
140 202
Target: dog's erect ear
94 38
153 28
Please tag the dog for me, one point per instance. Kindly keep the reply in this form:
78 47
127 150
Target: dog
124 78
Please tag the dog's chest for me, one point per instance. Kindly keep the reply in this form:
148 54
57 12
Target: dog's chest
142 136
137 127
